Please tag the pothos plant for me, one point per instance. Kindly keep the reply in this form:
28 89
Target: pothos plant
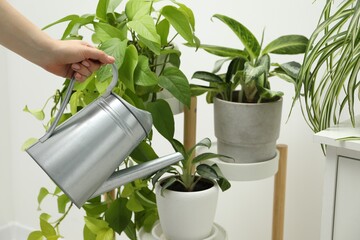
250 68
141 38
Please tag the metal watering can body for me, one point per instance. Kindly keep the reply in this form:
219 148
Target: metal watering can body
81 154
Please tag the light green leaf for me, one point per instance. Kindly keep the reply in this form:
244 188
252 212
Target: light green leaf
42 194
105 234
163 28
180 22
289 44
187 12
38 113
64 19
36 235
88 235
62 201
134 205
45 217
47 229
113 4
104 32
101 10
126 71
28 143
95 225
116 48
57 190
145 27
163 118
173 80
249 41
136 9
143 76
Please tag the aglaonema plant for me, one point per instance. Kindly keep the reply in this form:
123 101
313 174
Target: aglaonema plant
142 40
250 68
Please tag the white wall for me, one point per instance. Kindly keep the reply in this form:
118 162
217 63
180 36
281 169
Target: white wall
245 210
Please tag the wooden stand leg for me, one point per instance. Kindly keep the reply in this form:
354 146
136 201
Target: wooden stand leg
190 124
279 194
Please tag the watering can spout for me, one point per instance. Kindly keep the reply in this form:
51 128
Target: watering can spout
130 174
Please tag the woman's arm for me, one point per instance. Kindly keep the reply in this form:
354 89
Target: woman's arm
64 58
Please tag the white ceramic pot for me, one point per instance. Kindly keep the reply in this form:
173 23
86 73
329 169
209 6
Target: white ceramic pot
187 215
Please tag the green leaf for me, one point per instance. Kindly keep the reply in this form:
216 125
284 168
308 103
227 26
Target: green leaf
118 215
143 153
187 12
62 201
105 234
42 194
45 217
163 28
35 235
96 225
136 9
180 22
207 156
163 119
249 41
143 76
146 202
130 231
291 68
113 4
64 19
116 48
134 205
28 143
38 113
207 76
224 51
126 71
145 27
153 46
47 229
289 44
88 235
95 209
104 32
173 80
206 171
101 10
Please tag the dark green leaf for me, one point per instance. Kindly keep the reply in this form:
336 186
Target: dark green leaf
224 51
143 153
95 209
207 76
163 119
130 231
173 80
118 215
206 171
249 41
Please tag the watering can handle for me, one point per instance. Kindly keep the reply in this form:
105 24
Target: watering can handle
67 98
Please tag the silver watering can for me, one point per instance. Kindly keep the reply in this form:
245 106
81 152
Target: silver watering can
81 154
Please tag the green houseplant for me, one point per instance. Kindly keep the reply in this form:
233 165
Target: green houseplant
189 193
242 95
329 74
143 34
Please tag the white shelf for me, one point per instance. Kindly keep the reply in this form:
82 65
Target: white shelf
246 171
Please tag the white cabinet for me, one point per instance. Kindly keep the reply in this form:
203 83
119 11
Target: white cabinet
341 198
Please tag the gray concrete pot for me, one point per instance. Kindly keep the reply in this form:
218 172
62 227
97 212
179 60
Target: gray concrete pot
246 131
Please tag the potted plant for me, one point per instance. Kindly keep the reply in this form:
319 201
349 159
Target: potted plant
247 120
143 33
187 197
329 74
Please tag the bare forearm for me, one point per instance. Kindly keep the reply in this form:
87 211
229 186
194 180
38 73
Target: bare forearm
21 36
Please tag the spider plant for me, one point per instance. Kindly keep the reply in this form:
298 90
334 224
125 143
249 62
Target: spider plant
329 82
